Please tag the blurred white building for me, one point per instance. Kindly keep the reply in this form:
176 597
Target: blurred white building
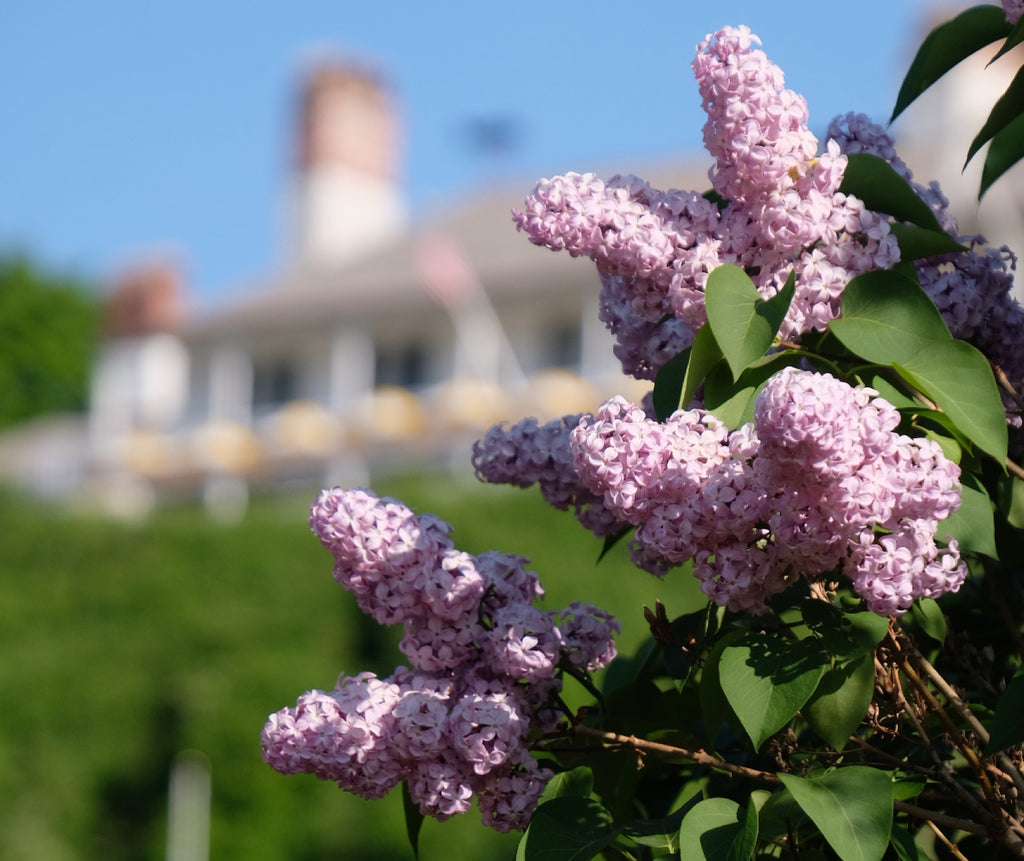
382 340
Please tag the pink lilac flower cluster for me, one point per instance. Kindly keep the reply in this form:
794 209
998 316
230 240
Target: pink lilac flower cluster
972 288
1013 10
819 482
529 453
782 212
484 664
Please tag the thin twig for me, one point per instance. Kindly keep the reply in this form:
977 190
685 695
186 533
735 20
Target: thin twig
1007 768
942 819
950 845
1008 387
700 757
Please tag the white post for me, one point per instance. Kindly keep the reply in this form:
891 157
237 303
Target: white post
188 808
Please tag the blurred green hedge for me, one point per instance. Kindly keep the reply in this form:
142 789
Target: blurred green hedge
123 645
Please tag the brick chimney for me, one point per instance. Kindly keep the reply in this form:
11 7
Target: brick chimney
145 300
346 198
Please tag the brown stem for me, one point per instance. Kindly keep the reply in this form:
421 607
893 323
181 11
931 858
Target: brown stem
1007 769
701 757
948 843
1008 387
1016 470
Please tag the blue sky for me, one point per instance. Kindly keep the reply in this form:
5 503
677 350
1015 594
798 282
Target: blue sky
134 127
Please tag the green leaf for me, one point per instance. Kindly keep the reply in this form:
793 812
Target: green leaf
959 379
916 243
413 819
611 540
951 449
1008 107
874 181
887 318
1007 727
714 707
1012 501
577 782
946 46
1012 41
775 309
717 829
668 384
567 829
973 523
1004 151
851 806
744 325
893 395
841 700
927 613
732 402
660 834
704 354
902 842
845 636
767 678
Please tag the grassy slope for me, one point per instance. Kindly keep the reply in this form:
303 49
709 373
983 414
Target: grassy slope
124 645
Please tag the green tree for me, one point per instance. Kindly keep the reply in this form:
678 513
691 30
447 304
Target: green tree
48 328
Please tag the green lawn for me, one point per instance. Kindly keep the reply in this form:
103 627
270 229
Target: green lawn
124 645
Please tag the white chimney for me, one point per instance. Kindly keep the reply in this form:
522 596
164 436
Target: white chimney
346 199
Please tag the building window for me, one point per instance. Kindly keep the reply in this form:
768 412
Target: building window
561 345
406 366
274 384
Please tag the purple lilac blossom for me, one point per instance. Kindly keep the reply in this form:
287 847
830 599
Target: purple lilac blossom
655 249
819 482
529 453
973 288
483 676
1013 10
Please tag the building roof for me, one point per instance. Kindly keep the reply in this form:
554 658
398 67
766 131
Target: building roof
389 279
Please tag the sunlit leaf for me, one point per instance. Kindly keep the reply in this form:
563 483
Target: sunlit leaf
927 613
718 829
744 325
874 181
767 678
958 378
841 700
887 318
917 243
973 524
851 806
846 636
946 46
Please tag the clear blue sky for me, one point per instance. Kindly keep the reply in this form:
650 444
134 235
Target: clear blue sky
131 126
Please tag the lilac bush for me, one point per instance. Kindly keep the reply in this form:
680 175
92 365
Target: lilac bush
836 376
